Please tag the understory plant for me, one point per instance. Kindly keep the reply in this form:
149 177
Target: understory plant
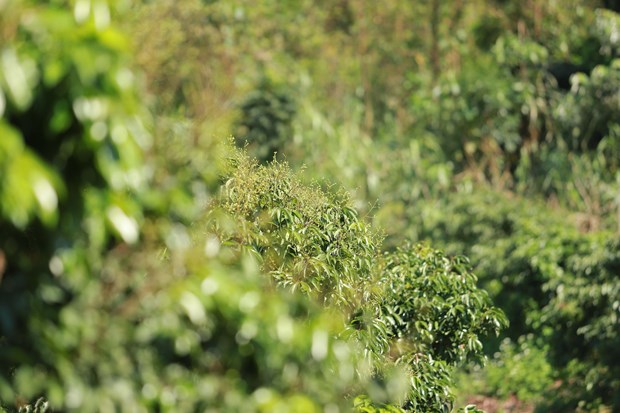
413 309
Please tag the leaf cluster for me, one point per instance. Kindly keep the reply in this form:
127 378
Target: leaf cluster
552 281
264 125
414 307
105 303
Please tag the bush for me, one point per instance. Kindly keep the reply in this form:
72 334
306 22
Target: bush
105 303
517 369
413 308
110 300
71 165
551 280
265 121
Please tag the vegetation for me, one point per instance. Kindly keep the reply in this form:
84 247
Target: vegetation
147 264
557 285
413 307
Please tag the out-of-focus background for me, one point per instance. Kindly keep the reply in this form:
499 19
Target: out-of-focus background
486 129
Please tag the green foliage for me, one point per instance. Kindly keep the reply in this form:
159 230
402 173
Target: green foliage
605 31
106 304
414 308
183 50
487 30
474 117
591 109
445 323
311 241
517 369
363 404
265 120
551 280
54 93
71 161
114 297
506 111
542 119
216 337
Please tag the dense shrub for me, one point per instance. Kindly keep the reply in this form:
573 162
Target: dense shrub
531 108
542 119
413 308
110 301
311 240
265 121
105 304
551 280
435 306
436 318
71 162
518 370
